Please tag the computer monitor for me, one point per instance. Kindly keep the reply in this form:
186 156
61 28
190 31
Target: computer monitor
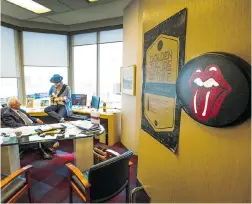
4 105
95 103
79 99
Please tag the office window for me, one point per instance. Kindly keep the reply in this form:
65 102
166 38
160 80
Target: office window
37 79
85 72
9 57
110 65
45 50
97 71
44 56
9 65
84 39
111 36
9 88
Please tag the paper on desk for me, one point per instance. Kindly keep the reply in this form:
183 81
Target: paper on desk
72 131
26 130
44 128
7 131
68 125
83 124
56 125
50 137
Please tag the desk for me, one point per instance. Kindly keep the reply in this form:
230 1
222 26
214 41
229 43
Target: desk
113 117
83 146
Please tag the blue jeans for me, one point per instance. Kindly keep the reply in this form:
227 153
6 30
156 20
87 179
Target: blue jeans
56 111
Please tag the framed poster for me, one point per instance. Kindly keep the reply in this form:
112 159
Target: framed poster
164 52
128 80
29 102
44 103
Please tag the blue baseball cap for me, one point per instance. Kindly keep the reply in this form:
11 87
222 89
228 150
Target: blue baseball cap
56 78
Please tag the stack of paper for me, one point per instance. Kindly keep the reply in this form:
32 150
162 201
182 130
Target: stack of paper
45 128
84 124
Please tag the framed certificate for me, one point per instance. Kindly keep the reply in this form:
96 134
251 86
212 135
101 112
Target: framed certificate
128 80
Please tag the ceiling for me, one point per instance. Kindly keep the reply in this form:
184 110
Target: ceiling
68 12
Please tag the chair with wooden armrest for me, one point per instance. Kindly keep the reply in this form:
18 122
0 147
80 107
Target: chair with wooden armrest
14 186
102 181
102 154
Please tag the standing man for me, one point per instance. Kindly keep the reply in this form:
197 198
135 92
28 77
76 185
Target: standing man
61 101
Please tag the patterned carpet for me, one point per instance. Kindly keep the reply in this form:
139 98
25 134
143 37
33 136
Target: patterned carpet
49 177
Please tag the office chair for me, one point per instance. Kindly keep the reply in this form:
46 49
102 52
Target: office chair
2 112
102 181
4 105
14 186
95 102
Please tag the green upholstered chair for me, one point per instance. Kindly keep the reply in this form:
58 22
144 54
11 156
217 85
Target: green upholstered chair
14 186
102 181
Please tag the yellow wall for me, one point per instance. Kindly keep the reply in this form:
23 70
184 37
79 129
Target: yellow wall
213 165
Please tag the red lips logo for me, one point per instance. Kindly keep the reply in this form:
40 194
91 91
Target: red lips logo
209 91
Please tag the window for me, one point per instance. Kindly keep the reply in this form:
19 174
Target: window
45 50
85 72
97 71
9 88
9 59
9 65
37 79
44 56
110 66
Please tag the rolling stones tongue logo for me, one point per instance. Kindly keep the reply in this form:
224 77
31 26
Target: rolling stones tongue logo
209 91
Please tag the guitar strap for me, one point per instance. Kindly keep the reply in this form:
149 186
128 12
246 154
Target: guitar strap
62 90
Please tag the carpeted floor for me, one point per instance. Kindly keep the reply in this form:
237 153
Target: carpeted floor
49 177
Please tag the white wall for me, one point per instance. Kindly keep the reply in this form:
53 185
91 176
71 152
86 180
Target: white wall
129 135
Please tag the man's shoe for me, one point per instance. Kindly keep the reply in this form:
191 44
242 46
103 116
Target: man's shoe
56 145
62 120
46 156
51 150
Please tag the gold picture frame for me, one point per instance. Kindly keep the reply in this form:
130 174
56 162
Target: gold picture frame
128 80
29 102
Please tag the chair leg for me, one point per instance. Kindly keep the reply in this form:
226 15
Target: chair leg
70 194
28 180
127 193
29 195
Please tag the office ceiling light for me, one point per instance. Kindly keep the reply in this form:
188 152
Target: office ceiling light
30 5
90 1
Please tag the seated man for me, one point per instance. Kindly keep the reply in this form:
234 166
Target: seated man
15 117
61 101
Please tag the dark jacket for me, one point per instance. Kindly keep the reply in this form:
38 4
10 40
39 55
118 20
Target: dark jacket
12 119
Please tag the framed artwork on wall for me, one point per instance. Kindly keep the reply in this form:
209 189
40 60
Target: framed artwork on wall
128 80
29 102
44 103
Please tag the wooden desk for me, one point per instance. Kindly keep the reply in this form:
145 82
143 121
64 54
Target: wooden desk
113 117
